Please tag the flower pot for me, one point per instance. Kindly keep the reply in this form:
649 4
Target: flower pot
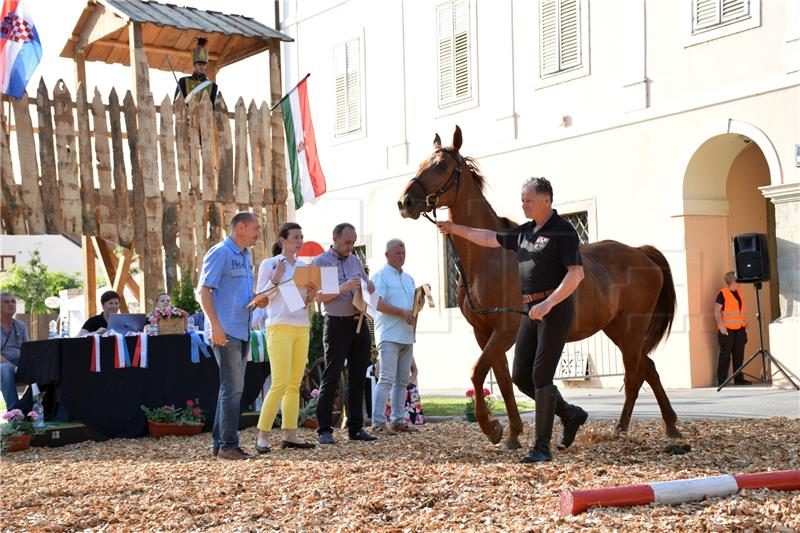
470 416
16 443
310 423
172 326
157 429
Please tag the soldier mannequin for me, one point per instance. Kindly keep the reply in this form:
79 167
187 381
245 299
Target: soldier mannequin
193 86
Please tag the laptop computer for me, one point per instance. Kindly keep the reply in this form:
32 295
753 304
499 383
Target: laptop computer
127 322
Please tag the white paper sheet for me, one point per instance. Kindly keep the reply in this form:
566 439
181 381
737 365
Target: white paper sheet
330 280
371 299
291 295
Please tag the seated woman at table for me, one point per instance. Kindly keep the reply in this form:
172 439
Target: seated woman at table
163 300
97 324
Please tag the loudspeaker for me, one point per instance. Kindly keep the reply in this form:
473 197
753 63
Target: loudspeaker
750 257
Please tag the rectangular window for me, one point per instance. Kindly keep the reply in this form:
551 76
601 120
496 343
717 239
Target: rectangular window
711 14
347 71
454 53
6 261
580 221
560 39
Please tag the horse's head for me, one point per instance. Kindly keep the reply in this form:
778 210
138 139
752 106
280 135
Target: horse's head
437 181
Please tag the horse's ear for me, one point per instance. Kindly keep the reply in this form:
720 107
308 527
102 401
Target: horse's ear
437 142
457 140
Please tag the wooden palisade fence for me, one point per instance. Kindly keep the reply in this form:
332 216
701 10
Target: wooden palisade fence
162 181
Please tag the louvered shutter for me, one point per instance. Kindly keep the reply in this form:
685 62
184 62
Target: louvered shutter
453 37
347 60
559 36
709 13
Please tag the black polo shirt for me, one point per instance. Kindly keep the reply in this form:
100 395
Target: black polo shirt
544 255
94 323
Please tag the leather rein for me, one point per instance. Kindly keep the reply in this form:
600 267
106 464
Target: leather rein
432 201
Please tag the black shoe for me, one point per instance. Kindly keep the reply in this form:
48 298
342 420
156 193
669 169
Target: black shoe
742 382
326 438
215 451
261 449
362 435
572 418
545 414
298 445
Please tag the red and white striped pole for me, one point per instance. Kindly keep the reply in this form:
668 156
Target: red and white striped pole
573 502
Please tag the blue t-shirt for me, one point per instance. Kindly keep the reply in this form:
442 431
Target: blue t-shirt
228 271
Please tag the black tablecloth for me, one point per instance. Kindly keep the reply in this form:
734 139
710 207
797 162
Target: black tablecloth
110 401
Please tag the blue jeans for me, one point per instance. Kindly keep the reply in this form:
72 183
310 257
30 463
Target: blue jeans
231 362
395 369
8 383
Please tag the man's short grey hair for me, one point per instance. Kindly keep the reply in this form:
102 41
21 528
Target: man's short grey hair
242 217
539 186
394 242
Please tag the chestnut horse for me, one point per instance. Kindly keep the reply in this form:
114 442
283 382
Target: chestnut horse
627 292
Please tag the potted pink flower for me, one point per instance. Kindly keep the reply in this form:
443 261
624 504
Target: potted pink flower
469 407
16 433
169 420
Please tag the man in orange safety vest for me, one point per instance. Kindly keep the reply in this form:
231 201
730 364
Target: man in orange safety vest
729 312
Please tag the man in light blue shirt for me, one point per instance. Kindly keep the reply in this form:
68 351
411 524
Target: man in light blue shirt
225 287
394 332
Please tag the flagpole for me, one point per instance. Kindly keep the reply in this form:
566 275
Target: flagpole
276 104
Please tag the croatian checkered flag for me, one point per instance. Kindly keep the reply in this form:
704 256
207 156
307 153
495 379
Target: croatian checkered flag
20 48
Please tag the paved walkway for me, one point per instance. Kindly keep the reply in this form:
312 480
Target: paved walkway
730 402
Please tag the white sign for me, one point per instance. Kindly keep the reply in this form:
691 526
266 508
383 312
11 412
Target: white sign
53 302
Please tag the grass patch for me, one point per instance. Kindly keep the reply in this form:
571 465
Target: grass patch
437 406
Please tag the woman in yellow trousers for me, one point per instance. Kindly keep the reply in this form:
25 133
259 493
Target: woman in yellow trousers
287 341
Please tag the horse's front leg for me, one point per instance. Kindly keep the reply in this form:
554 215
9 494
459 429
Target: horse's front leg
489 426
503 377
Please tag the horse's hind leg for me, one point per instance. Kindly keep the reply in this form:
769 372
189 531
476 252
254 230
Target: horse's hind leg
503 376
648 369
633 382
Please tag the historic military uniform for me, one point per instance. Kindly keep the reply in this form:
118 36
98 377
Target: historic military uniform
543 256
195 85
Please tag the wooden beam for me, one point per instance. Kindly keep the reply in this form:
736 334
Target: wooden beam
157 49
80 68
101 22
141 76
89 277
108 260
123 274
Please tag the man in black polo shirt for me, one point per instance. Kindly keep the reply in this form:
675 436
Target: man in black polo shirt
550 270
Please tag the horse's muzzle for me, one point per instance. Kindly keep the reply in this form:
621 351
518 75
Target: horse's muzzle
409 206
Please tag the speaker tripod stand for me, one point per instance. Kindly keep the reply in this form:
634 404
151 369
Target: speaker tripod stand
763 352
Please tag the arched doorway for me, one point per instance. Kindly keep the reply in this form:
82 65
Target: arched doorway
721 199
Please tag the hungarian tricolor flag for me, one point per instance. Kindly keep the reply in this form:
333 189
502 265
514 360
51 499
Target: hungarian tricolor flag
308 182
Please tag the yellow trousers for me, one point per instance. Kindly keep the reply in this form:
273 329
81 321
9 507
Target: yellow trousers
288 354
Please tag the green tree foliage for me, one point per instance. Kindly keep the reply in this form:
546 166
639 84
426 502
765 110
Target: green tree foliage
183 295
34 282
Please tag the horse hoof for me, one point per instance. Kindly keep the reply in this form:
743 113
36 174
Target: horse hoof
511 443
497 432
673 433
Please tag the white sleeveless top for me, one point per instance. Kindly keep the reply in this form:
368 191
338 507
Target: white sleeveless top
277 311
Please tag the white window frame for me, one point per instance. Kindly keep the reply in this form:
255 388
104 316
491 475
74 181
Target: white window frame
580 71
721 29
360 132
467 102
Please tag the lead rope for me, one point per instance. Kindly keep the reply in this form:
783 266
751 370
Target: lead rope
464 278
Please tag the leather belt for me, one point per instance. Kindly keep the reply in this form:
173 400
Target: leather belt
351 317
541 295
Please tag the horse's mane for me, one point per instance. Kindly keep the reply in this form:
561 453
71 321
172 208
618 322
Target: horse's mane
480 183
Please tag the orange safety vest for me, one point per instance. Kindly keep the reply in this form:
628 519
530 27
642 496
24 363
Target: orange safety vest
732 316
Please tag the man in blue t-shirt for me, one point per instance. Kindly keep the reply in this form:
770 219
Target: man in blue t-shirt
225 288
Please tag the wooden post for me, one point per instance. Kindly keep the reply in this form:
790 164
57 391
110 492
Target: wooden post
225 187
141 76
138 204
51 194
106 211
241 163
88 207
122 202
80 68
29 167
278 142
13 209
67 160
186 249
89 276
258 154
169 225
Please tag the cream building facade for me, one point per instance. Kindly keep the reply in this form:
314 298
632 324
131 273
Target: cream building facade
674 124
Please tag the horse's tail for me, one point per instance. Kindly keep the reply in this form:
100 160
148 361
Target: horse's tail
664 312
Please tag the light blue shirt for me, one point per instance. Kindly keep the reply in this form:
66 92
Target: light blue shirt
396 288
228 271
